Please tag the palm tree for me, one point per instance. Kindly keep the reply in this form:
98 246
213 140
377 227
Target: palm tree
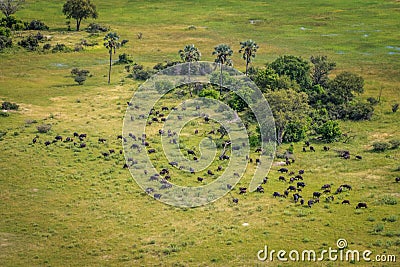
223 52
190 54
111 43
249 49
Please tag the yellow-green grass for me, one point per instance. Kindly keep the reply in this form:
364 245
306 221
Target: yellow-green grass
64 206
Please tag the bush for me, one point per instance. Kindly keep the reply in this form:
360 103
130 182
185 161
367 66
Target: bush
360 111
4 114
209 93
95 28
372 100
295 132
46 47
388 200
329 131
43 128
395 107
140 74
5 32
80 76
5 42
13 23
60 48
30 42
394 143
80 79
124 59
37 25
9 106
380 146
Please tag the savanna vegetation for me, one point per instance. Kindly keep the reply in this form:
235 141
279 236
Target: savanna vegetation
329 70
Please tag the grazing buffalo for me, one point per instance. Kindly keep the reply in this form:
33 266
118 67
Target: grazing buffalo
296 197
82 145
105 154
191 152
76 134
304 149
325 186
242 190
196 131
307 143
316 194
164 171
301 184
157 196
291 188
200 179
258 161
219 168
310 203
339 190
58 138
282 170
312 149
299 177
102 140
281 178
327 191
302 201
346 202
151 150
265 180
235 200
209 172
229 186
358 157
47 143
301 172
326 148
361 205
397 179
258 150
276 194
260 189
348 187
286 193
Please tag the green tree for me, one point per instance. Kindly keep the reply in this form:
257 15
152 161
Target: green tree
321 69
296 68
342 88
249 50
9 7
330 131
287 106
222 53
79 10
190 54
112 44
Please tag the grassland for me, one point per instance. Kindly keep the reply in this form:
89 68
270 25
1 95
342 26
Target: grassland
64 206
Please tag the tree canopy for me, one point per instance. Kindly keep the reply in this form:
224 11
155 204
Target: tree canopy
249 49
79 10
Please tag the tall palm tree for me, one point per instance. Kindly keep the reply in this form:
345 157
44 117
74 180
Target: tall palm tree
223 52
112 44
190 54
249 49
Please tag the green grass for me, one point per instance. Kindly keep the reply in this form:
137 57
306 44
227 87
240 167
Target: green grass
65 206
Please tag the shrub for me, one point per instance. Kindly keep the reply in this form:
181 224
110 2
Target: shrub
124 59
37 25
360 111
380 146
43 128
378 228
372 100
13 23
5 32
46 47
394 143
80 79
295 132
388 200
60 48
9 106
329 131
395 107
95 28
209 93
4 114
5 42
30 43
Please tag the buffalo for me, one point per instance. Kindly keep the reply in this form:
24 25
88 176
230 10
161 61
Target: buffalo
361 205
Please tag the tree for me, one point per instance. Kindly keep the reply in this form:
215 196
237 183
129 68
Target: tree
79 10
321 70
287 106
330 131
190 54
295 67
112 44
9 7
342 88
223 52
249 49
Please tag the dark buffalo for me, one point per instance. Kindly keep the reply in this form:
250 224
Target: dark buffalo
291 188
361 205
301 184
282 170
316 194
346 202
